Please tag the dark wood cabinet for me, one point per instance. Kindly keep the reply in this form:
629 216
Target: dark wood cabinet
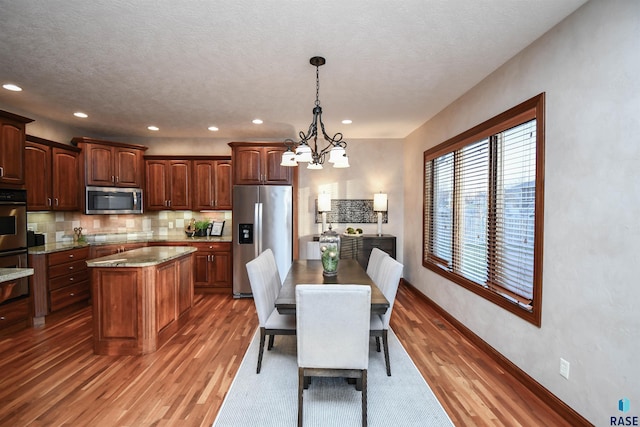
12 140
360 247
98 251
60 279
168 184
56 185
259 163
212 267
14 315
212 184
111 164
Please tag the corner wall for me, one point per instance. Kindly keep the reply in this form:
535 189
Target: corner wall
588 66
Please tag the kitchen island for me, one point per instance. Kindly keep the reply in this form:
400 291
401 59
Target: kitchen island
140 298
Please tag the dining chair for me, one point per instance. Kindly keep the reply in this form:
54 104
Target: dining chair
388 279
373 265
265 286
333 338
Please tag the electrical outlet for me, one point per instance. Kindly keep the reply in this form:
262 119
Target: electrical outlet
564 368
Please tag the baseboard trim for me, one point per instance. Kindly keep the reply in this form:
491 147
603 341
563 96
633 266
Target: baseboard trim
561 408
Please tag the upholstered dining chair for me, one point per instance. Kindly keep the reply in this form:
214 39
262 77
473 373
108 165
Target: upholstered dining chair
388 279
333 337
265 286
373 265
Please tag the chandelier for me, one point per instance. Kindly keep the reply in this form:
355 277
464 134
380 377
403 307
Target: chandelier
314 156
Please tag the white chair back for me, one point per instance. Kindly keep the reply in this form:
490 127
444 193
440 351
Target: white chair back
373 266
265 284
333 326
388 279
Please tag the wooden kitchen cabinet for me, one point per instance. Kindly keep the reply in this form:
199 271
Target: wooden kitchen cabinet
98 251
12 140
111 164
212 267
212 184
168 184
259 163
56 185
60 279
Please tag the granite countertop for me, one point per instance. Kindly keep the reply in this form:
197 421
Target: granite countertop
143 257
63 246
7 274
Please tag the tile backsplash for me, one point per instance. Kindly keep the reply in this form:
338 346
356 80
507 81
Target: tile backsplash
58 226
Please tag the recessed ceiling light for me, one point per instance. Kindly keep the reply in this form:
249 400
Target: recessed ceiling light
257 121
81 114
347 122
153 128
12 87
213 128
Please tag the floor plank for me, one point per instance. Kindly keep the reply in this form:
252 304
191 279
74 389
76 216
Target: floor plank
50 375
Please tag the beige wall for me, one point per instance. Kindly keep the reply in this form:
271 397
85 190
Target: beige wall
588 66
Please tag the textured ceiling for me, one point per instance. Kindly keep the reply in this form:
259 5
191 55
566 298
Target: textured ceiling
184 65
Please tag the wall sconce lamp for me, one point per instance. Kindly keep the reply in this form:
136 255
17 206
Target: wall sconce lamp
324 206
380 205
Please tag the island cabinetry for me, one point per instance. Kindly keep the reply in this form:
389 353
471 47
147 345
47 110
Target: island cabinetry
259 163
140 298
13 315
213 267
168 184
60 279
56 186
212 184
12 138
111 164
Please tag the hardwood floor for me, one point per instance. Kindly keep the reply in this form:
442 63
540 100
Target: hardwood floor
50 376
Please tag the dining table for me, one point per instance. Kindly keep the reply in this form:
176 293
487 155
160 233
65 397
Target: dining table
310 272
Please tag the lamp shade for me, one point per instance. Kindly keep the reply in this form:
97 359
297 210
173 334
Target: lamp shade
289 159
303 153
380 202
324 202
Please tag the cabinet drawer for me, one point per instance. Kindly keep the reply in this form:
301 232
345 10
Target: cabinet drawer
69 279
67 268
14 312
213 246
68 295
66 256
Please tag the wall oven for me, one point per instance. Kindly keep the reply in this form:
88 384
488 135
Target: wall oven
113 200
13 241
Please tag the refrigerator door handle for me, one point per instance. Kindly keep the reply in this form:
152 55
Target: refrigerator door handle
258 229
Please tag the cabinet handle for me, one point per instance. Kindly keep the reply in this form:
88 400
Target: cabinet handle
1 317
117 179
48 201
113 178
71 256
71 267
169 201
72 294
56 199
71 279
1 171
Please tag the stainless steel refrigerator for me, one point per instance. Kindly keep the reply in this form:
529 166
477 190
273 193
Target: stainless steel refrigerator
262 218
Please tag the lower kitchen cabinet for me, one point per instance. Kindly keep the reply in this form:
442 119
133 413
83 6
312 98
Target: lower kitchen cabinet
14 315
98 251
212 267
60 279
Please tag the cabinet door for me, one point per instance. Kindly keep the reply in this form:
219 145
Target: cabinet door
180 175
185 285
247 165
221 264
11 153
64 180
273 172
166 295
128 167
203 184
38 179
201 268
156 185
223 187
99 167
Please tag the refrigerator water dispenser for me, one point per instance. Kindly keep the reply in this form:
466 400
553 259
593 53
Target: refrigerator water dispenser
245 235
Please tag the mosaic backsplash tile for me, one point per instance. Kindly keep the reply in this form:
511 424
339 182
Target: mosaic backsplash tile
344 211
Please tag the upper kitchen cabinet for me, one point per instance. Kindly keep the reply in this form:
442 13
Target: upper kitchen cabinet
259 163
111 164
168 183
56 185
212 183
12 136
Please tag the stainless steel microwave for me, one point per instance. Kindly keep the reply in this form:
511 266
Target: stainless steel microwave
113 200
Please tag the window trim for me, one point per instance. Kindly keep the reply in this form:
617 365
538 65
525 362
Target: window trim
530 109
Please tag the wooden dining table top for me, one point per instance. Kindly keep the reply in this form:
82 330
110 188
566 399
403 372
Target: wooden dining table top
310 272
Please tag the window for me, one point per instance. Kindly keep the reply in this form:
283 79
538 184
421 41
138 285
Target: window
483 209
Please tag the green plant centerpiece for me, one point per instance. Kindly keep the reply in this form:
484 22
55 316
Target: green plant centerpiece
201 227
330 252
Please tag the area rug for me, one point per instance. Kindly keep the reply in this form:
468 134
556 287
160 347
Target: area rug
270 398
